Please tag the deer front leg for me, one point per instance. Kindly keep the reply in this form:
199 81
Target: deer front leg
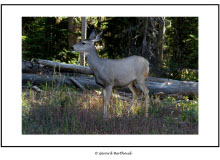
107 91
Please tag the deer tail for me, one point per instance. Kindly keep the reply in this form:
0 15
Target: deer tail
147 71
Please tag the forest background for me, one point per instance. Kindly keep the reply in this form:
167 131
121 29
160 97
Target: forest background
169 43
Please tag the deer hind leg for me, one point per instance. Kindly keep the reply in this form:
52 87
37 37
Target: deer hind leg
146 96
134 91
107 92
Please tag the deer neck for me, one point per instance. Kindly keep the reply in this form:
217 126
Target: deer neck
93 60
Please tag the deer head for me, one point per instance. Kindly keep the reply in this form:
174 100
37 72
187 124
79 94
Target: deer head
88 44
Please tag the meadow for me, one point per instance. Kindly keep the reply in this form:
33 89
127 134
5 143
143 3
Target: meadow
65 110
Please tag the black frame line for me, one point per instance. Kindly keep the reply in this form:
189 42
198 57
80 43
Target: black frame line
111 5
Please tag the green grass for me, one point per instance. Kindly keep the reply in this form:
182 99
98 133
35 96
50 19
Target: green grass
64 110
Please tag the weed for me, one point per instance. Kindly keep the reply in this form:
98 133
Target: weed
64 110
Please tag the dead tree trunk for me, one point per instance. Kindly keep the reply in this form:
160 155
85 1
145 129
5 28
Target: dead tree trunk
82 54
144 43
161 37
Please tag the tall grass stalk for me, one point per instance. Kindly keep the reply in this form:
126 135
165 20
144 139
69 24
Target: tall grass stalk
64 110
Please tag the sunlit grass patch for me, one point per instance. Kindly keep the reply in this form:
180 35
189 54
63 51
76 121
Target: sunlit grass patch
65 110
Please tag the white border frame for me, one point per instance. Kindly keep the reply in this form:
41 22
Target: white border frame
208 67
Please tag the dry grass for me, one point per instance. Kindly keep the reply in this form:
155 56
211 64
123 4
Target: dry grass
67 111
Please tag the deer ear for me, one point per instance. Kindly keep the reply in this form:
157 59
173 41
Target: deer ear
98 37
93 34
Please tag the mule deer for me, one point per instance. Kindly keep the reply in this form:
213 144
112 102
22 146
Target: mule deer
110 73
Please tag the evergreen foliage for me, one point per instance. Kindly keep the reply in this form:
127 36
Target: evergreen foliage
172 54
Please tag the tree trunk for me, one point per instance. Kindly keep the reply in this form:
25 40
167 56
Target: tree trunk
72 37
84 29
144 43
161 37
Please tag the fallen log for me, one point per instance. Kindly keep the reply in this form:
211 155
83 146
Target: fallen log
50 67
155 85
77 83
35 88
30 67
62 67
169 86
35 68
184 85
36 79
